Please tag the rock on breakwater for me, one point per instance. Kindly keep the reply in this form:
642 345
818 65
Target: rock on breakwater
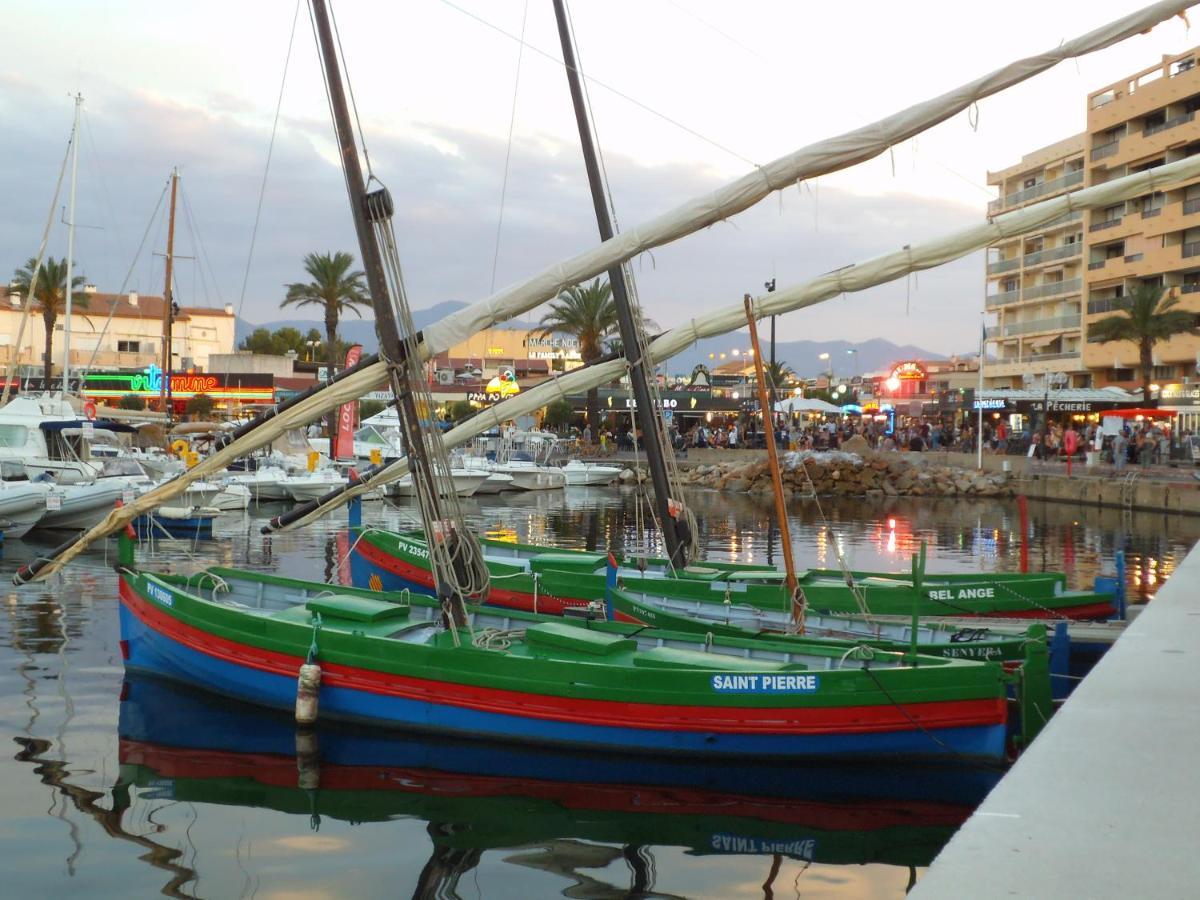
851 475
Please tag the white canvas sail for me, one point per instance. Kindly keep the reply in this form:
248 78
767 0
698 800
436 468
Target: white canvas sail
815 160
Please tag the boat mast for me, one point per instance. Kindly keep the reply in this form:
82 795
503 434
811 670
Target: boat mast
168 302
785 536
644 412
453 551
70 253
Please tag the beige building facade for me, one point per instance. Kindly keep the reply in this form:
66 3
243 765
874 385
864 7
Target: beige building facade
114 331
1044 288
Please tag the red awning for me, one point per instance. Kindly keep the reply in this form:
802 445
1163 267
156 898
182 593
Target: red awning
1144 413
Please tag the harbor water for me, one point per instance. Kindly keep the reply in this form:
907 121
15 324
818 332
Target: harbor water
116 787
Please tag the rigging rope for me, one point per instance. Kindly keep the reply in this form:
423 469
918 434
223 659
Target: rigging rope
262 188
508 153
37 271
640 354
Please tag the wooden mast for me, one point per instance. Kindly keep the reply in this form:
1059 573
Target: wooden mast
785 537
168 302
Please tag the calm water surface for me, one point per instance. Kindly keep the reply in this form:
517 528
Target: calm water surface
133 789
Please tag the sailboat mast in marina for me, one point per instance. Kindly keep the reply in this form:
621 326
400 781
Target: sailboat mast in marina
168 301
630 328
66 382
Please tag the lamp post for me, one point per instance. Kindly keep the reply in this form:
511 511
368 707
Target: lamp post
312 346
770 286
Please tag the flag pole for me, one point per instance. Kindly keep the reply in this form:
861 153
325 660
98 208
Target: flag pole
979 394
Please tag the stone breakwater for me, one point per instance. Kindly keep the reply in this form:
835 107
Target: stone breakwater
848 474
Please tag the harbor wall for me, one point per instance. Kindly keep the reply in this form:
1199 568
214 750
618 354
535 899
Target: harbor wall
1103 804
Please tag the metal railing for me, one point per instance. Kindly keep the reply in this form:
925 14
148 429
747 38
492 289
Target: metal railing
1107 223
1103 150
1031 358
1053 323
1104 304
1066 286
1190 288
1098 264
1003 298
1151 213
1191 206
1169 123
992 331
1004 265
1191 249
1062 252
1134 257
1038 190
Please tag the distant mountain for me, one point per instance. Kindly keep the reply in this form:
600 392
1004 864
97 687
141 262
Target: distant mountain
362 331
874 355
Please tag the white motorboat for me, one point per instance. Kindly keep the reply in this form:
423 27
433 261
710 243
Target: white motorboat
311 485
265 483
232 497
47 436
466 482
80 506
528 475
22 502
579 472
494 483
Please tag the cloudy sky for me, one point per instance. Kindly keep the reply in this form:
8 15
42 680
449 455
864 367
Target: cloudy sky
688 94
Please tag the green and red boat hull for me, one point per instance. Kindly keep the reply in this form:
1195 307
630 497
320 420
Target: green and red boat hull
561 580
946 707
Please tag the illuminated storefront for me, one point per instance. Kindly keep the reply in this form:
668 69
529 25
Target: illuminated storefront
228 390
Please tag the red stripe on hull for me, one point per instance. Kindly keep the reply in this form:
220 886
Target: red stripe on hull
604 713
1077 613
280 771
497 596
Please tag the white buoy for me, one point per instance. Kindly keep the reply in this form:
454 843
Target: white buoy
308 686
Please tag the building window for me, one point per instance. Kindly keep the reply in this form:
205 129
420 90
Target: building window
129 346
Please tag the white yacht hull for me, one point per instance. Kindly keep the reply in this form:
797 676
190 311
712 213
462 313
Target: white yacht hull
494 483
534 478
578 473
21 506
81 506
466 483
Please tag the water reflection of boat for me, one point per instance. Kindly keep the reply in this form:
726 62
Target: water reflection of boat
192 747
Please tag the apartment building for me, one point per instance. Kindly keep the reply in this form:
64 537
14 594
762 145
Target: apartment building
1045 287
113 331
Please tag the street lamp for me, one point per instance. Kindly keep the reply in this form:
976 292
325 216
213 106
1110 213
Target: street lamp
853 351
312 346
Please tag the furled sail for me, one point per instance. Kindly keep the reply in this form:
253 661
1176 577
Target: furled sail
817 159
850 279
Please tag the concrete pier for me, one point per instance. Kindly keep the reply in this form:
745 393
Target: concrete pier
1106 803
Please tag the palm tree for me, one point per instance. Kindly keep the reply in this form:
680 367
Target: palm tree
51 296
778 375
1146 317
589 315
334 288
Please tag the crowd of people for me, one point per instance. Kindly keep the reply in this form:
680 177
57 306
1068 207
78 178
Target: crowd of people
1143 443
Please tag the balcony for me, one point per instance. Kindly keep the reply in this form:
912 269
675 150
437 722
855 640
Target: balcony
1064 252
1055 323
1038 190
1134 257
1103 150
1003 299
1192 249
1066 286
992 331
1151 213
1098 264
1039 357
1107 223
1190 288
1191 206
1103 305
1170 123
1004 265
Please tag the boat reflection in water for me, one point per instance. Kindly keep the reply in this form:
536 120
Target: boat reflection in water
560 807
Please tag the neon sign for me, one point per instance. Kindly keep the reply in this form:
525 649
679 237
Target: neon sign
250 387
909 371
